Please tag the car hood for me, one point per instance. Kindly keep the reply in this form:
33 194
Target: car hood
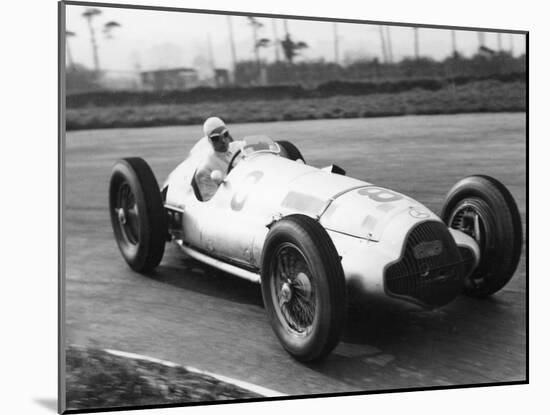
352 206
368 211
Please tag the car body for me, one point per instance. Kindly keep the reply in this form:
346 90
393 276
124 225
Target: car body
369 225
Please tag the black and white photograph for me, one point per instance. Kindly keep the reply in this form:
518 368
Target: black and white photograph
264 207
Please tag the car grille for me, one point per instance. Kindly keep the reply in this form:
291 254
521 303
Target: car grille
430 270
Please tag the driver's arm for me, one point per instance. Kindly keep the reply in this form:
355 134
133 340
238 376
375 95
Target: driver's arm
206 185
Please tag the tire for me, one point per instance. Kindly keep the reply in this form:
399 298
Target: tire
290 151
488 202
137 214
303 287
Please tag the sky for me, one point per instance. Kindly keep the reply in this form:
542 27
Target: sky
149 39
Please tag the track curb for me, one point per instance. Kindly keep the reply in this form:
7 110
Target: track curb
260 390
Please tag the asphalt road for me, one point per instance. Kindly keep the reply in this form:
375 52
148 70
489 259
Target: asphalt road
191 314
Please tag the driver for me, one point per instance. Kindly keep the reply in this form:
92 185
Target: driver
216 156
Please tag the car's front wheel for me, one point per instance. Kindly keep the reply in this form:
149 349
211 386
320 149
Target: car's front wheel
137 214
483 208
303 287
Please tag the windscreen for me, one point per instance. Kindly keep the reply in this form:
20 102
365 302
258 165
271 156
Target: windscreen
259 143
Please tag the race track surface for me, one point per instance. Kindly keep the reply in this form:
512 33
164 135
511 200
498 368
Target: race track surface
193 315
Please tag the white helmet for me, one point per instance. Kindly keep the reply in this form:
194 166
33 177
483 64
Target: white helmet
212 124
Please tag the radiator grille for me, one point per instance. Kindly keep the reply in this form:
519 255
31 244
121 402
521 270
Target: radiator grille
432 276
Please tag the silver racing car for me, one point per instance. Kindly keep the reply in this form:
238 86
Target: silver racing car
313 237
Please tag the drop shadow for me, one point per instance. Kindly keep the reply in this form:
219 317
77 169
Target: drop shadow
186 273
48 403
389 347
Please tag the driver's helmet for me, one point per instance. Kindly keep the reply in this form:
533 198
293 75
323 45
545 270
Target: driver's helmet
216 132
213 125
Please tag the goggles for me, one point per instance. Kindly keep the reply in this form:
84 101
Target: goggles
215 138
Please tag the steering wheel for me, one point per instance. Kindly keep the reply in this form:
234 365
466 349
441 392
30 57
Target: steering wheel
230 165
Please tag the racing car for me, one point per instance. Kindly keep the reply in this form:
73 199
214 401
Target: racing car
314 237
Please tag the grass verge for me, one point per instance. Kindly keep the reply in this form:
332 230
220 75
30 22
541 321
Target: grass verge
481 96
97 379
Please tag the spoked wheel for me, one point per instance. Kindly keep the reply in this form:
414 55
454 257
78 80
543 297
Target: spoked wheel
473 218
303 287
293 289
137 214
482 207
127 214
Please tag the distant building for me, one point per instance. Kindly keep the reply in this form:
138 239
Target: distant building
221 77
119 80
175 78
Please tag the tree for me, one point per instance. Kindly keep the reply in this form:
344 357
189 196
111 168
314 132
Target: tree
232 43
108 28
388 40
383 44
276 42
291 48
453 42
89 14
335 33
69 34
258 43
416 47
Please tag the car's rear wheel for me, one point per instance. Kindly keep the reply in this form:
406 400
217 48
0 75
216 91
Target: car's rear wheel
290 151
137 214
303 287
483 208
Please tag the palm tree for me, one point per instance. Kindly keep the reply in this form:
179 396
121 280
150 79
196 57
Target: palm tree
335 33
108 28
89 14
69 34
383 44
258 43
211 55
232 43
481 38
453 42
416 49
291 48
388 38
276 42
